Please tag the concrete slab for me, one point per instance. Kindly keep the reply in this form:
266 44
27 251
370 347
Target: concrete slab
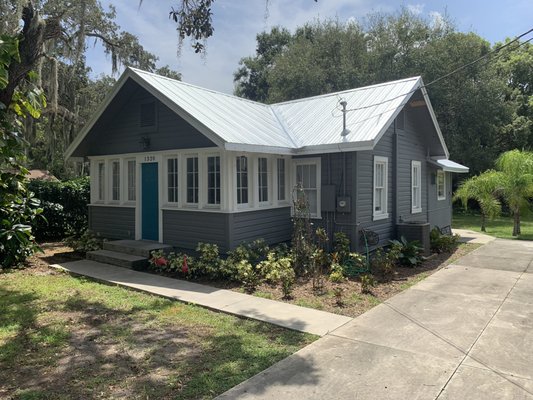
475 283
444 326
468 236
471 383
338 368
506 343
523 290
287 315
506 251
509 263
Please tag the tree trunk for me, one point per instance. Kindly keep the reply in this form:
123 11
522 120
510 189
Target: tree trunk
483 222
34 33
516 224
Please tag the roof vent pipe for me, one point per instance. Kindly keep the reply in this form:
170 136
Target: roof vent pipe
345 131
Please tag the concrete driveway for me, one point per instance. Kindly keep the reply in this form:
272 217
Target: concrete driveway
466 332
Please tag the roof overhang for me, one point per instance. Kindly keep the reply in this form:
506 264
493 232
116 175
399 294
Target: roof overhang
450 166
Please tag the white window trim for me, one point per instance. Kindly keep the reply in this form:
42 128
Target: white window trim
204 185
383 214
418 166
443 197
167 202
250 181
184 180
98 183
268 182
309 161
275 182
126 180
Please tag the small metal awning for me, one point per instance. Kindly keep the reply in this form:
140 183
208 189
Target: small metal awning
450 166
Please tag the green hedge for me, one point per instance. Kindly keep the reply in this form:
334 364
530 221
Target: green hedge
64 207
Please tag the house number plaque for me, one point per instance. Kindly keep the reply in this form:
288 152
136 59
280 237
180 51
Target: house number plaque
149 158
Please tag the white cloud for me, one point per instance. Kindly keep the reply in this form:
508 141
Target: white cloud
416 9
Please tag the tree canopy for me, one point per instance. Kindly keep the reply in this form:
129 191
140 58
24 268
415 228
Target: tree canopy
482 110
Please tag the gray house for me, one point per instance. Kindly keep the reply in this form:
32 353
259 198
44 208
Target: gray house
180 164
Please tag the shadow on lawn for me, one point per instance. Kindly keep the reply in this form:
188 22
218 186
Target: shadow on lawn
74 348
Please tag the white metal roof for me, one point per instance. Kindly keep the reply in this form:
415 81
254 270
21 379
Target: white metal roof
310 125
452 166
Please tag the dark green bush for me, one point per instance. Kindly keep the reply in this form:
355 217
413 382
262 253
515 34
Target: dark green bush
64 208
442 243
409 253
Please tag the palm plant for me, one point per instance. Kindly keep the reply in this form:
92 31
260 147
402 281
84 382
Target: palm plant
517 186
482 188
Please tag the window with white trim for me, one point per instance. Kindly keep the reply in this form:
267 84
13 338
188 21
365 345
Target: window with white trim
173 180
115 180
307 176
242 179
101 181
416 187
262 179
131 179
282 195
192 180
441 185
213 180
381 172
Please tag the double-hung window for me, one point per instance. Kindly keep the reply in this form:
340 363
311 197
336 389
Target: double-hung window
115 180
416 187
173 180
381 167
192 180
213 180
101 181
281 180
262 179
441 185
131 180
242 179
307 178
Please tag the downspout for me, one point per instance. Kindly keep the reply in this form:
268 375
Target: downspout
395 173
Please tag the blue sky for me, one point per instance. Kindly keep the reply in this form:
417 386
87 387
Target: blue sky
237 22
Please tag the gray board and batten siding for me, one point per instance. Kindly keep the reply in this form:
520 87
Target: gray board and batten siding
119 129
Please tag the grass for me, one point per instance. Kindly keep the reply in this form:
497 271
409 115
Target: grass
500 227
68 338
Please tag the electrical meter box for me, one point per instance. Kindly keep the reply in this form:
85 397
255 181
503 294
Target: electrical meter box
344 204
327 200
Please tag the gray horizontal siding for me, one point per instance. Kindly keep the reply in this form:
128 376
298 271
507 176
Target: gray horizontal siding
439 211
272 225
118 130
112 222
185 229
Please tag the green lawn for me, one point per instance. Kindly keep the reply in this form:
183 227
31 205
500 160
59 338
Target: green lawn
501 227
72 338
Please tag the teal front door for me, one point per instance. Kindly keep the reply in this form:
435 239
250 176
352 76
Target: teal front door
149 202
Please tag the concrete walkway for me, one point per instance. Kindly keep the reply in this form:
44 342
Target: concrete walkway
287 315
466 332
468 236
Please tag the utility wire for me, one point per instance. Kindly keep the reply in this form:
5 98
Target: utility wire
448 74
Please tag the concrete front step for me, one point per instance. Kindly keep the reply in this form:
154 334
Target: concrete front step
118 259
140 248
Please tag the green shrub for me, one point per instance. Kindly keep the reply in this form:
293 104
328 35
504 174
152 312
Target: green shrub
65 207
341 246
208 262
85 242
383 263
336 275
249 275
367 282
253 252
278 270
443 243
409 253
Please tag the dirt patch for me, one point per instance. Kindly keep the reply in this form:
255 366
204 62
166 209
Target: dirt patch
352 302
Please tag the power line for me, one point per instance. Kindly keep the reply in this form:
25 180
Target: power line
494 51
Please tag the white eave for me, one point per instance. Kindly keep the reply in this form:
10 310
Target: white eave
450 166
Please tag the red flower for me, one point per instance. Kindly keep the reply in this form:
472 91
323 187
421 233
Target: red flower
161 261
185 267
